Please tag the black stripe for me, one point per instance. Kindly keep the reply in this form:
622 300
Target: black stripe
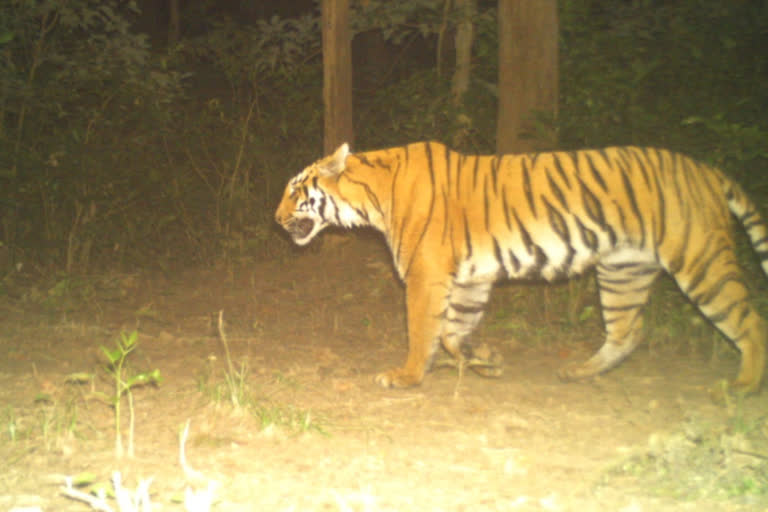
676 264
642 165
633 203
560 170
557 221
364 160
495 171
622 217
459 167
588 237
467 236
446 225
448 169
744 313
714 288
467 309
592 205
505 207
661 220
644 270
527 186
594 210
541 261
753 223
335 209
621 288
486 204
724 313
381 165
393 209
605 154
428 220
558 193
321 206
497 254
710 180
523 233
692 181
614 267
703 269
369 193
595 173
515 262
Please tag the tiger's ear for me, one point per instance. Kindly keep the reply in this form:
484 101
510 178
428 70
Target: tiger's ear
335 163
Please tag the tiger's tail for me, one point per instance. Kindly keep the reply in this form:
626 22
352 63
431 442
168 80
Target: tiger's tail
744 210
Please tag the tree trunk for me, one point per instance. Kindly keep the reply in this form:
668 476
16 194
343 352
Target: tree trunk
174 27
464 37
337 75
528 78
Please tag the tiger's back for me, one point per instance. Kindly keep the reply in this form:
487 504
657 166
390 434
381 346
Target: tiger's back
457 223
551 215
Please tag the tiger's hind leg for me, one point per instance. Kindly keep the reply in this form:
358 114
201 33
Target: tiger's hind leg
624 290
465 308
714 281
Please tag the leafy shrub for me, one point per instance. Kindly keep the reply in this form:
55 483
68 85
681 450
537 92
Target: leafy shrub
82 98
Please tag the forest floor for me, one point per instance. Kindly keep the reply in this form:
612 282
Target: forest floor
297 423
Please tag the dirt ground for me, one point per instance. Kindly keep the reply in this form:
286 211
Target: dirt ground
307 333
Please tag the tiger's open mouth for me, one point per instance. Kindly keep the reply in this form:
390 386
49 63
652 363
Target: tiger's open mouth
300 228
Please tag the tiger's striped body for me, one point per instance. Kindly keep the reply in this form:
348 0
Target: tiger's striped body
457 223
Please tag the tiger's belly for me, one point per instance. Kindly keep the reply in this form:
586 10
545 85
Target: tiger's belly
548 263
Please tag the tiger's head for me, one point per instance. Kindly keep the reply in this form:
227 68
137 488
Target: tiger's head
308 203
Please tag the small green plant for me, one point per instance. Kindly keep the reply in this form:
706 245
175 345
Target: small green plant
295 420
235 378
57 418
124 384
236 390
714 460
11 424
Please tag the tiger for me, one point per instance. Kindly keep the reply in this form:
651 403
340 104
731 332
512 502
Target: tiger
458 223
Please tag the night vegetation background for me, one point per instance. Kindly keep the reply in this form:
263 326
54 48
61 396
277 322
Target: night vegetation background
119 151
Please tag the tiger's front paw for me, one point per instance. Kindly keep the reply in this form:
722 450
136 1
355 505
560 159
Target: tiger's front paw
398 378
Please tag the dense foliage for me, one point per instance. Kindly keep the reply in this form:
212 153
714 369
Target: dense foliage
117 152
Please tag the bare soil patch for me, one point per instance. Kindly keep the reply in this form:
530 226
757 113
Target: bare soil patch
308 333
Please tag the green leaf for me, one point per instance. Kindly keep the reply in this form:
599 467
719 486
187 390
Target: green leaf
586 313
79 377
84 478
112 355
43 398
141 378
130 339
